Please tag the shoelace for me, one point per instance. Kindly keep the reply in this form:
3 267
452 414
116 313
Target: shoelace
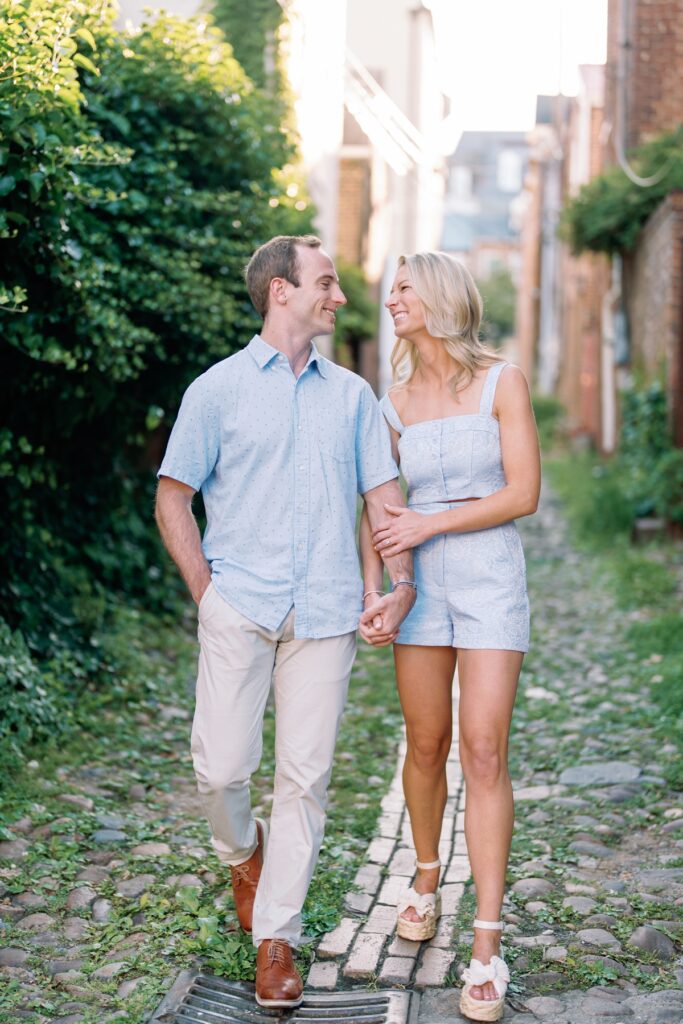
240 874
277 951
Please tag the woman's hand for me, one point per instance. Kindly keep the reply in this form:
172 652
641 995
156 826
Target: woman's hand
403 530
372 627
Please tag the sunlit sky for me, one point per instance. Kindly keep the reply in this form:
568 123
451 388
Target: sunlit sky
497 55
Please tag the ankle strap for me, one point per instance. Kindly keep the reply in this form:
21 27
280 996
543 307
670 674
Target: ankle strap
426 867
492 926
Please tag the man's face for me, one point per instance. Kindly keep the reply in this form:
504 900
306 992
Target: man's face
312 306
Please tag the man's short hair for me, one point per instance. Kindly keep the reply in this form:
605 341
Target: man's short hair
276 258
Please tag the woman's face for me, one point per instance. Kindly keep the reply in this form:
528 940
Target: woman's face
405 307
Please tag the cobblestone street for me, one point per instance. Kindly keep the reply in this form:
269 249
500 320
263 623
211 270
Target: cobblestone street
596 883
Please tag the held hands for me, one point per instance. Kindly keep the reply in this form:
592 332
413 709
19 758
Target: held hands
371 625
379 623
404 529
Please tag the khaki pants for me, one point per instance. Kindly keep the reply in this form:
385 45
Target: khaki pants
238 660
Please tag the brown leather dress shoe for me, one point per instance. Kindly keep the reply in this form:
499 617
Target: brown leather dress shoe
278 983
245 878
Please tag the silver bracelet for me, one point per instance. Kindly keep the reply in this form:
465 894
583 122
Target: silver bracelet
404 583
368 592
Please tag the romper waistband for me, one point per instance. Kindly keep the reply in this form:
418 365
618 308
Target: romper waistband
440 501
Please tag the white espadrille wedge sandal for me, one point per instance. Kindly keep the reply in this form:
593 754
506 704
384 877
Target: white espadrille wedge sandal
496 971
426 904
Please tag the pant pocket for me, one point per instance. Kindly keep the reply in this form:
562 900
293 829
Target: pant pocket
204 597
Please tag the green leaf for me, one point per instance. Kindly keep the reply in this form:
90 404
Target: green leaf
86 35
7 183
84 62
36 181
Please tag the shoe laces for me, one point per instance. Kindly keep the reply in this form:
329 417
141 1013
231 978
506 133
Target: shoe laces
278 952
240 873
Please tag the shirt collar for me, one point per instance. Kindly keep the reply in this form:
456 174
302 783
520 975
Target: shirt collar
263 354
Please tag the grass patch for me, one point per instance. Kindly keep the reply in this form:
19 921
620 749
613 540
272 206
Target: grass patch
639 579
592 499
644 580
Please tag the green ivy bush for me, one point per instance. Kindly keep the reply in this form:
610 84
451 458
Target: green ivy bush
252 30
643 478
138 171
650 467
609 212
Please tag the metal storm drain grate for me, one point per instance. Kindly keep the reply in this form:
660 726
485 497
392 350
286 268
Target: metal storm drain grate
204 999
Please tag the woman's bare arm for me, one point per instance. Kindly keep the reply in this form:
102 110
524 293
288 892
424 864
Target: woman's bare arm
180 533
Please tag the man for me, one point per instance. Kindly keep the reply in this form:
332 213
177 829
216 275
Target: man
280 441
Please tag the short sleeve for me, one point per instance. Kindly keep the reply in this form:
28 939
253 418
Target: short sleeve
390 414
374 461
193 447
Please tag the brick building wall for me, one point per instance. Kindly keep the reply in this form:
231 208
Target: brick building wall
526 326
654 295
653 63
353 219
353 209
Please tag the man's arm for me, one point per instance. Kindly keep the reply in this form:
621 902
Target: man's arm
180 534
394 607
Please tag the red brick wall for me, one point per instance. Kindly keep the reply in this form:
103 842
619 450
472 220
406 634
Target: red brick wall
354 209
654 296
526 329
654 66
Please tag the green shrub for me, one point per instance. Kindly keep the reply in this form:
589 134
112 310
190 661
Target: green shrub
644 440
252 30
30 708
643 478
138 172
598 510
609 212
666 485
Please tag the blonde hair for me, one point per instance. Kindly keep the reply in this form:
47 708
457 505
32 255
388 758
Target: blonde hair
453 310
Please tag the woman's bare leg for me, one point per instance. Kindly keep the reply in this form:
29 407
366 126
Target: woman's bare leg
488 685
424 676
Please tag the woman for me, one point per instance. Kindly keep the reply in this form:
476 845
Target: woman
463 431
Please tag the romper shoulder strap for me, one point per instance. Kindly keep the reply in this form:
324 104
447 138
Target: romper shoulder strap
489 390
390 414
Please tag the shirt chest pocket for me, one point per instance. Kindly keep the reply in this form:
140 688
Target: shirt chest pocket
337 438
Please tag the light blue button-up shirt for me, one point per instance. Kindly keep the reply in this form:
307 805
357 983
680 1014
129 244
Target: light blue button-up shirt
279 462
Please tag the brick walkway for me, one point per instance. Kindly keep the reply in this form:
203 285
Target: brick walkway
364 947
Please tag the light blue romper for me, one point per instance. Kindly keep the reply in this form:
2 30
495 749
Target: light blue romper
471 586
